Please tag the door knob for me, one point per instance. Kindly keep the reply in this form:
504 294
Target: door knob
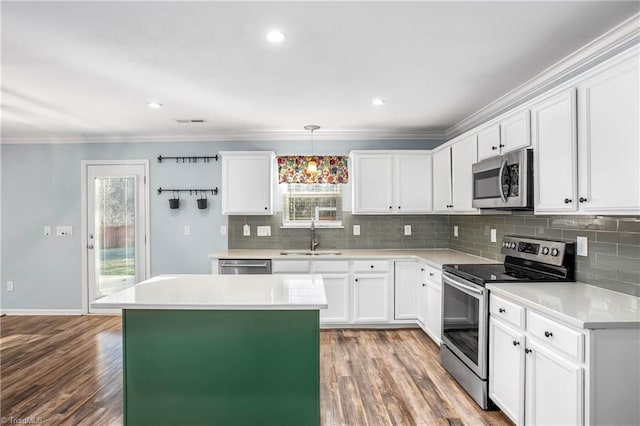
567 200
582 200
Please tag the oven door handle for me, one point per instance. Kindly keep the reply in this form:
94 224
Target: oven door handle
503 165
460 286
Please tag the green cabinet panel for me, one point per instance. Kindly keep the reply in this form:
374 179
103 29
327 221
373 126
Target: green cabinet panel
221 367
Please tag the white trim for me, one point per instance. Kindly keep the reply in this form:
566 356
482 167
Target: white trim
83 220
41 311
577 61
253 136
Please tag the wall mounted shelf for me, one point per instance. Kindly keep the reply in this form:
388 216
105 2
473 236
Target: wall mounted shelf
196 191
190 159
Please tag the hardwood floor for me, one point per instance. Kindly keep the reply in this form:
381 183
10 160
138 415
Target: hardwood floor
68 371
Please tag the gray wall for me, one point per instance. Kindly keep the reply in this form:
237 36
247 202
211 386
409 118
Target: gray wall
40 186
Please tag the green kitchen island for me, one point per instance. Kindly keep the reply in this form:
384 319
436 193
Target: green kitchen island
221 349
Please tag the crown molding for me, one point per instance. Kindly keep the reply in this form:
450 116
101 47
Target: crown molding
244 136
613 41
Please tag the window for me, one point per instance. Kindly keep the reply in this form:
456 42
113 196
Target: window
320 202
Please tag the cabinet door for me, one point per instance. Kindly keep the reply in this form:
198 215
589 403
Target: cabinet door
372 183
442 181
247 183
609 140
463 155
371 298
489 142
553 388
336 287
515 132
406 276
421 300
555 150
434 310
412 183
506 369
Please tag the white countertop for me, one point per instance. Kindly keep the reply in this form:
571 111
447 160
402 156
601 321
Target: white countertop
221 292
435 257
580 305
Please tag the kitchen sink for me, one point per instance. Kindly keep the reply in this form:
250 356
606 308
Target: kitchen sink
310 253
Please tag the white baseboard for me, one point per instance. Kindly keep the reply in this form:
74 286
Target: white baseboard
41 311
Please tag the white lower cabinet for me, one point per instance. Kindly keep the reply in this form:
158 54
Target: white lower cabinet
336 287
371 298
405 289
433 321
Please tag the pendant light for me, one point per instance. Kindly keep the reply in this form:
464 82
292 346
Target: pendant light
312 165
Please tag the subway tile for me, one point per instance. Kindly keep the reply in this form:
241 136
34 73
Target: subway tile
622 263
629 251
573 234
627 238
605 248
548 232
597 270
629 225
632 277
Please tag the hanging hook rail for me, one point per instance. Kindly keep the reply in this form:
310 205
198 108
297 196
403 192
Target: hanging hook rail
196 191
190 159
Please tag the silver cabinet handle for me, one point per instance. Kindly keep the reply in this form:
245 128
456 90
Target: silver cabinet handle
89 246
255 265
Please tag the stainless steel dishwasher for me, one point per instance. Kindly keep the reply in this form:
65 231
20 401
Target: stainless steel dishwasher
244 266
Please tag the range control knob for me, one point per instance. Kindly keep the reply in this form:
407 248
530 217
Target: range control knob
545 250
512 245
554 252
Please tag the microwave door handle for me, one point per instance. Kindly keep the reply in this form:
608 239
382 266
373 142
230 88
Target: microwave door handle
503 166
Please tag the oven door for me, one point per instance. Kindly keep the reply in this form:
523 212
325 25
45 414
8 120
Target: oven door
504 181
464 322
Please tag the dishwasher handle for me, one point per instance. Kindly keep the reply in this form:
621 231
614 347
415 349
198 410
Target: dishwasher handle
247 265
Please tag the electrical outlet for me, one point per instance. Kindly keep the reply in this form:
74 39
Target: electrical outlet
223 230
494 238
47 231
407 230
9 285
246 230
64 231
455 231
263 231
582 246
356 229
187 230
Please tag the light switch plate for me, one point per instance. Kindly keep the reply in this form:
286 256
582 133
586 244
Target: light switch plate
9 285
64 231
187 230
246 230
582 246
263 231
407 230
356 229
47 231
223 230
493 236
455 231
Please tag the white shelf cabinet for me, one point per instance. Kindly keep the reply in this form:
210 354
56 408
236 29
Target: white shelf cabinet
452 176
336 287
433 316
247 182
406 290
371 297
386 182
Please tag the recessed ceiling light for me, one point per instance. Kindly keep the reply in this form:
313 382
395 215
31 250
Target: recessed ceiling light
154 105
275 36
377 102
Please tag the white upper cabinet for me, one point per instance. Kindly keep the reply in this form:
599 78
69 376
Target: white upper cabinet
464 155
555 153
247 182
587 150
442 181
609 139
391 182
509 134
452 176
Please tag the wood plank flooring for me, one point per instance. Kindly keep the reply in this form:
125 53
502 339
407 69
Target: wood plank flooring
68 371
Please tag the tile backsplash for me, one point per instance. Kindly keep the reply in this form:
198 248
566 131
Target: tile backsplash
613 260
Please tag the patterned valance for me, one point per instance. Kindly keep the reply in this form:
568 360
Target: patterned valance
331 169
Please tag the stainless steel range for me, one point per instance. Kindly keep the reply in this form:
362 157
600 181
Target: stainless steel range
465 303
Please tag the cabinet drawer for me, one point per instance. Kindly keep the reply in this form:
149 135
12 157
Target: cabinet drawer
431 274
330 266
507 311
280 266
566 340
371 265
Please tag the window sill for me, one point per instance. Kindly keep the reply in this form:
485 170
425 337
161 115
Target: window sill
308 226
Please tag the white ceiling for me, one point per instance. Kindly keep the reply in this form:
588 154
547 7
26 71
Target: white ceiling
85 71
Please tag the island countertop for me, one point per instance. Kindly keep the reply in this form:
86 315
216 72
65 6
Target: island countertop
221 292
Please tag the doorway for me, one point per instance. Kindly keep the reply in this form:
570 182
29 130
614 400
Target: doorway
115 227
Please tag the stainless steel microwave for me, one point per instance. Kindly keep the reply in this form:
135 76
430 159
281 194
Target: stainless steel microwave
504 182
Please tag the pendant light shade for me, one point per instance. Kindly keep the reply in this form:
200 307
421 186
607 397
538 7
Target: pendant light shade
312 165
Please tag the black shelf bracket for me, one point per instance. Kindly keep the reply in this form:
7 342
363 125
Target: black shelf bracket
196 191
205 159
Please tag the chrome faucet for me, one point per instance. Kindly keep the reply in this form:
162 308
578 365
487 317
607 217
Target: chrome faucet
315 241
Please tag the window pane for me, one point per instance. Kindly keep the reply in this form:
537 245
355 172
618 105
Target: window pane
319 202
